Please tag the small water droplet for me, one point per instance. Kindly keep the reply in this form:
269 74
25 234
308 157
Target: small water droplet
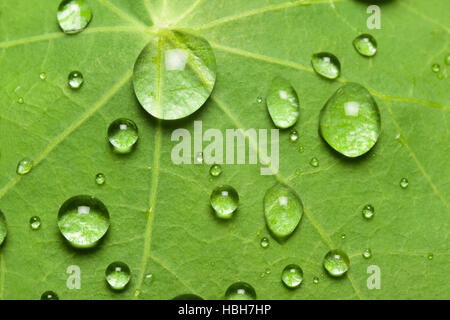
367 253
76 80
215 170
368 211
268 271
292 276
336 263
430 256
259 100
326 64
283 210
224 200
73 16
24 166
343 236
314 162
43 76
447 59
316 280
123 135
3 227
283 103
35 222
20 100
49 295
265 243
118 275
366 45
83 221
240 291
301 149
293 136
436 67
404 183
100 179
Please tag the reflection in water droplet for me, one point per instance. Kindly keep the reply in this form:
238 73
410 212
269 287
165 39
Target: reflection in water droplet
123 135
148 279
35 222
326 65
368 211
240 291
118 275
292 276
74 16
215 170
24 166
404 183
75 79
336 263
49 295
83 221
430 256
282 103
315 280
224 200
366 45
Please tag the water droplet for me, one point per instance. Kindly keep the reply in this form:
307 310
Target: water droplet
283 210
430 256
73 16
298 172
367 254
49 295
3 227
447 59
436 67
336 262
292 276
215 170
293 136
404 183
174 74
301 149
283 104
368 211
24 166
20 100
350 121
123 135
316 280
240 291
259 100
83 221
43 76
148 279
76 80
314 162
100 179
366 45
35 222
225 201
441 76
118 275
188 297
326 65
265 243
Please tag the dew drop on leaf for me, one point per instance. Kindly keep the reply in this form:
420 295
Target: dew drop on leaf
316 280
366 45
293 136
224 200
3 227
368 212
447 59
430 256
35 222
123 135
350 121
76 80
436 67
83 221
404 183
292 276
174 75
49 295
326 64
282 103
336 263
259 100
240 291
24 166
265 243
118 275
74 16
215 170
283 210
100 179
43 76
314 162
20 100
188 297
367 253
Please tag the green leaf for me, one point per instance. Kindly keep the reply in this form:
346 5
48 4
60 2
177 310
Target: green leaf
161 220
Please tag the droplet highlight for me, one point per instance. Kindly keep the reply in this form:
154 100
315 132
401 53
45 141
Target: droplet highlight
75 80
404 183
49 295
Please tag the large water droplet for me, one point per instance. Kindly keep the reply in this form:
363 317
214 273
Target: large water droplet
35 222
118 275
283 210
83 221
225 201
292 276
174 75
3 227
74 16
282 103
123 135
240 291
75 79
20 100
366 45
336 262
24 166
368 211
326 65
350 121
404 183
215 170
188 297
49 295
